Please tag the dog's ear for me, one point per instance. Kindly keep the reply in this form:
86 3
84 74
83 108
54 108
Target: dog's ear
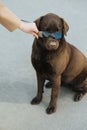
37 21
65 26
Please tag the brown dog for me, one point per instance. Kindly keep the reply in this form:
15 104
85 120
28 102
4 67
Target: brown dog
57 61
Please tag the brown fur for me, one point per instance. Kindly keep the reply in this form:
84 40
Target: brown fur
63 64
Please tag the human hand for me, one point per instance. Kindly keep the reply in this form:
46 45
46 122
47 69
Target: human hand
29 28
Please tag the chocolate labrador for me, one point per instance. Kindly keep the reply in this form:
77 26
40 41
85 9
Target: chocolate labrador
56 60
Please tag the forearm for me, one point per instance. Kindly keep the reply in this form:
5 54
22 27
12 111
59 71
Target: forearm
8 19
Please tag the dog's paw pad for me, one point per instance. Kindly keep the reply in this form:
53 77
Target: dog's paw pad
35 101
50 110
78 97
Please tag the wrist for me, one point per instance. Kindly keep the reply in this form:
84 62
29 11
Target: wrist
21 26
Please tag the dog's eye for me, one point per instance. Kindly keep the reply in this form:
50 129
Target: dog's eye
57 29
47 29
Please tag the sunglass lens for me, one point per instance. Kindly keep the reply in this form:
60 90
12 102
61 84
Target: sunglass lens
45 34
57 35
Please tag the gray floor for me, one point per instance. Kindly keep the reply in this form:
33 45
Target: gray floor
17 76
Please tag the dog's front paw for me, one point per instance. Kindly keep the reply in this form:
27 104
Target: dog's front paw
78 96
35 100
51 109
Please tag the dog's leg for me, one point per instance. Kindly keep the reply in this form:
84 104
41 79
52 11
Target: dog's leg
81 91
40 84
54 94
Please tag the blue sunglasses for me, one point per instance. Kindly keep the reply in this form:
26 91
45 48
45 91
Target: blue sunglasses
56 35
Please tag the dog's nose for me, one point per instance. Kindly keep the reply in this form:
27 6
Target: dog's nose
53 43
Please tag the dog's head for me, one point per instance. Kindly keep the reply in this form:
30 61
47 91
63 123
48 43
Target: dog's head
52 29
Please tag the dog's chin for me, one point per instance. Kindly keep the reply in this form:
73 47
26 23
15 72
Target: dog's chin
52 45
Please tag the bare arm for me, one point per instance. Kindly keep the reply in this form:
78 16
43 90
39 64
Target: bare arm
10 21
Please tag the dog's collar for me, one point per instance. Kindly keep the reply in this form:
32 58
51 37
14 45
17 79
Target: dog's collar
56 35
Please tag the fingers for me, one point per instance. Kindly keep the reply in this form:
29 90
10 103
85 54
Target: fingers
35 28
35 34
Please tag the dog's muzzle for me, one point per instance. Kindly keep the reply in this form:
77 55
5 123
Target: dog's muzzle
52 44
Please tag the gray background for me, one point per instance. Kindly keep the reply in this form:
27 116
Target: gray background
17 76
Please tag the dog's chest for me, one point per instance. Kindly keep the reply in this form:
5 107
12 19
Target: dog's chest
42 64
